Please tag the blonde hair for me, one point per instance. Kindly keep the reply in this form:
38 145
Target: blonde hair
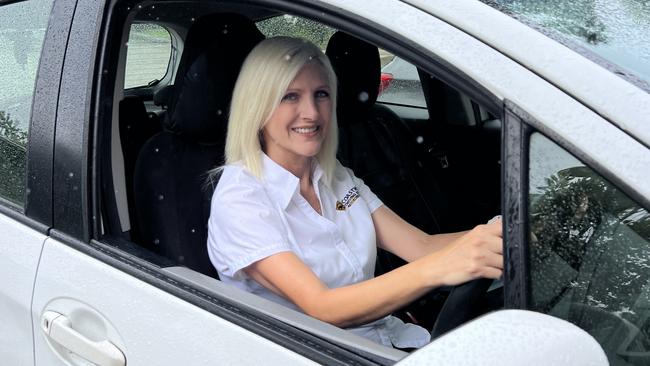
264 78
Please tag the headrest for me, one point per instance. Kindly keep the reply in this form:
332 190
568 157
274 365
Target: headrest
357 67
214 52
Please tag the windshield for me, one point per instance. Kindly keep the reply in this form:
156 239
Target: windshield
617 31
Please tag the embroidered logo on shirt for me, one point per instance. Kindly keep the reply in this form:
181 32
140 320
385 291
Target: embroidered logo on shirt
348 199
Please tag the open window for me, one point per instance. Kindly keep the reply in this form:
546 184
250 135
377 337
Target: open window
427 149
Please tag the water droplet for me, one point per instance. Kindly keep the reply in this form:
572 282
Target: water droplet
128 8
419 139
71 174
193 231
156 241
28 191
157 18
156 150
139 7
363 97
126 44
181 258
225 31
153 7
128 127
219 112
287 57
345 53
105 72
311 57
161 197
75 188
192 20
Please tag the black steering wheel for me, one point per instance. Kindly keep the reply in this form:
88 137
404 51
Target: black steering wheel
462 304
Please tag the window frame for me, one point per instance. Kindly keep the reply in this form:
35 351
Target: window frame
518 127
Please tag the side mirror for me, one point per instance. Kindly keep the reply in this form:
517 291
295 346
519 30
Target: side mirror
509 338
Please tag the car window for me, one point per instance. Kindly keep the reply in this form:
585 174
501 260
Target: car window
294 26
589 250
400 82
618 30
148 55
22 30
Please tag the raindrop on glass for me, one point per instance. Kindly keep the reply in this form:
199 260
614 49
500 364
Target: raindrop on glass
219 112
193 231
153 7
192 20
156 241
126 44
225 31
156 150
363 97
181 258
287 57
161 197
71 174
419 139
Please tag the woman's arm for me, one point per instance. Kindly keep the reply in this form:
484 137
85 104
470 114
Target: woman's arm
472 255
405 240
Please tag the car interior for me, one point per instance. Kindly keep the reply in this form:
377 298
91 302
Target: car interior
438 167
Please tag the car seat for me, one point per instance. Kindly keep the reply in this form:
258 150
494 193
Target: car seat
171 194
375 143
136 127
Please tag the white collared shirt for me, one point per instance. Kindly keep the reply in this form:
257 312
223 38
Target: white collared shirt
252 219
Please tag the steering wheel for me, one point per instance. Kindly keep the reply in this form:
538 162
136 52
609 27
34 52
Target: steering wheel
461 305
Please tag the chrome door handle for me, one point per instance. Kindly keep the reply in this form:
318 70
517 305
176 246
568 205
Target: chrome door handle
58 328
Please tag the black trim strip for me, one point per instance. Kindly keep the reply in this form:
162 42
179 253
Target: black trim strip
14 211
40 142
514 194
284 335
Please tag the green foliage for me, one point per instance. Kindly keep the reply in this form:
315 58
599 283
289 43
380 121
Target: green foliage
292 26
10 130
13 157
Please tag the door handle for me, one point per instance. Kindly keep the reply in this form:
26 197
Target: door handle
58 328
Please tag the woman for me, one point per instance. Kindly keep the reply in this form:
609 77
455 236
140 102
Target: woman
291 224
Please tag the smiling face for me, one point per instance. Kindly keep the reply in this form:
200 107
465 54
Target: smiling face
295 131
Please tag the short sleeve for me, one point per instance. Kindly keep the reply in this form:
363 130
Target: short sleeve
364 191
244 225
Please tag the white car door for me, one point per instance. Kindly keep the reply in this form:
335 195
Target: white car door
22 29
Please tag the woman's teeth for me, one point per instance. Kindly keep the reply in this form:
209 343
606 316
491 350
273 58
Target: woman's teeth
306 130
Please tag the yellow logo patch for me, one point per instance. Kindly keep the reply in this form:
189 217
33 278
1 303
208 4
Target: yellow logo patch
348 199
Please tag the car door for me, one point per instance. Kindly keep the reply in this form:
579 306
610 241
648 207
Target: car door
23 27
85 306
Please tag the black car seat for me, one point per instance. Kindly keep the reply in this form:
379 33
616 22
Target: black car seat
375 143
172 201
136 127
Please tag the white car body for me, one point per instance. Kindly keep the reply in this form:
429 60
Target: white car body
158 316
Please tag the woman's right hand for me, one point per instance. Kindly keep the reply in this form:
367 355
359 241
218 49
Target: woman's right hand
476 254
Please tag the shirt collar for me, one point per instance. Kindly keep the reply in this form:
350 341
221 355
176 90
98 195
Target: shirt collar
282 183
